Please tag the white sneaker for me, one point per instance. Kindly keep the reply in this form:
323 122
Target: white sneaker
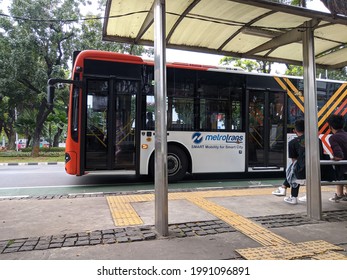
336 198
303 198
291 200
280 191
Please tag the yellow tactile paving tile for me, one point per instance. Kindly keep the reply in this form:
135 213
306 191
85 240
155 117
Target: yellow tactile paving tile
234 192
319 249
275 246
178 195
122 212
121 204
244 225
330 256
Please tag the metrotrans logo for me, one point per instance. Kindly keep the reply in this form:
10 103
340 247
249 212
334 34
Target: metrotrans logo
197 138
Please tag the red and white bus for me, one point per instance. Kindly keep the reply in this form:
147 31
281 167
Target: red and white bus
218 120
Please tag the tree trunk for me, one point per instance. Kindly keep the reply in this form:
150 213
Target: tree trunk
11 136
42 115
29 140
11 141
56 137
36 146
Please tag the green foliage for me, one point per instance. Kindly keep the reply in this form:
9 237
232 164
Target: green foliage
27 155
90 38
301 3
46 150
53 152
39 49
248 65
339 74
37 41
294 70
15 154
21 154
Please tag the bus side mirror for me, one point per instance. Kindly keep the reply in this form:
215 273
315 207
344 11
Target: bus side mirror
51 87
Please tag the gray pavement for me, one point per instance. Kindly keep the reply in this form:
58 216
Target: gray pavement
83 228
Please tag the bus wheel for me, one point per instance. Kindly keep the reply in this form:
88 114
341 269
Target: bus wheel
177 164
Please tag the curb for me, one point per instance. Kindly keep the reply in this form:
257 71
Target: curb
30 163
148 232
115 235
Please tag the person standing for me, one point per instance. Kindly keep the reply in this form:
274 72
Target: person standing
296 169
338 143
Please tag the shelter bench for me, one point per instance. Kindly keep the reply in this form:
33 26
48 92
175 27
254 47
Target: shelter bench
328 183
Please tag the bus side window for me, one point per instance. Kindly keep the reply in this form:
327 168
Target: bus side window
75 109
148 118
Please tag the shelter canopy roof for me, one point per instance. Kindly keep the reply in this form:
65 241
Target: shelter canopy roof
255 29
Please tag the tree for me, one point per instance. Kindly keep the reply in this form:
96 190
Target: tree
294 70
40 49
336 6
25 125
90 37
300 3
259 66
37 42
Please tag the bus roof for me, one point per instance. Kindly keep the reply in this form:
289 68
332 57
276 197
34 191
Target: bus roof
119 57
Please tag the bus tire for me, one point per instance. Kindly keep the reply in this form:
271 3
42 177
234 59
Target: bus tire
177 164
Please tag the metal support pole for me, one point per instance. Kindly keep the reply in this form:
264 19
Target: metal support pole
313 184
15 117
161 179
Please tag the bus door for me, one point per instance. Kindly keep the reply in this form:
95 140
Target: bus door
110 124
266 130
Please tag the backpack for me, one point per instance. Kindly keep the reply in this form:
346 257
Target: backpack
299 167
328 172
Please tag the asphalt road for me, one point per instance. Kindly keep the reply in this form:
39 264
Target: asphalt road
42 180
24 180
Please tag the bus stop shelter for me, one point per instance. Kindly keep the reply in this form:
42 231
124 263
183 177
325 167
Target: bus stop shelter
253 29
